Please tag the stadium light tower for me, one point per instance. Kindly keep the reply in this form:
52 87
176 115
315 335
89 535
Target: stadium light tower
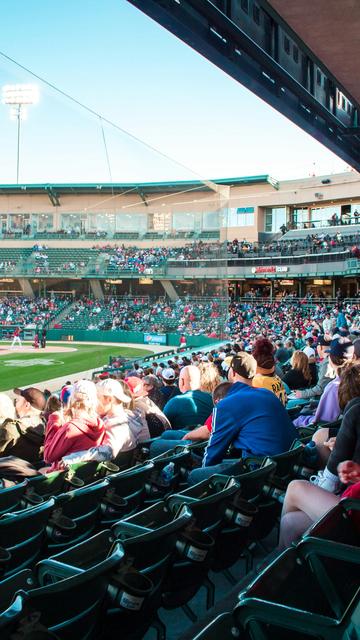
19 96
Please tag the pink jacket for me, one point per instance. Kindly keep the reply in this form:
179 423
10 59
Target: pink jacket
75 435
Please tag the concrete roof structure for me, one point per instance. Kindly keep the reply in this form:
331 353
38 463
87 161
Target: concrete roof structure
331 29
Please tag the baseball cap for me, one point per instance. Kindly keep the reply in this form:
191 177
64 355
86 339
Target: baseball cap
34 396
135 385
244 365
112 388
342 348
168 374
86 388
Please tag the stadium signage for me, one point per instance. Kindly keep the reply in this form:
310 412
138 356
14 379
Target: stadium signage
154 338
271 269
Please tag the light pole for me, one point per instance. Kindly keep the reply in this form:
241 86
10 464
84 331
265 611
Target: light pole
19 96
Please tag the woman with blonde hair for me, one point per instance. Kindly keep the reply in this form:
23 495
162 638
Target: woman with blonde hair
209 376
299 376
82 428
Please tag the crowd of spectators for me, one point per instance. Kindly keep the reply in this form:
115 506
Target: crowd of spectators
7 266
30 312
237 399
313 243
151 316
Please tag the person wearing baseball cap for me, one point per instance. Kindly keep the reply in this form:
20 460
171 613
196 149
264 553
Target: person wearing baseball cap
169 389
325 372
328 410
24 436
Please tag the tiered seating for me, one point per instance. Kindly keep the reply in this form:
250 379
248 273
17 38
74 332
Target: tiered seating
60 260
164 540
11 259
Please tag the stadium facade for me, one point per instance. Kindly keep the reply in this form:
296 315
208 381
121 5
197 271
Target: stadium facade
72 219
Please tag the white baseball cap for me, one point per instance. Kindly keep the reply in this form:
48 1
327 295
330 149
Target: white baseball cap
168 374
111 387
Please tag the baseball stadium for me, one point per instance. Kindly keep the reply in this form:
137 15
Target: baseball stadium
180 354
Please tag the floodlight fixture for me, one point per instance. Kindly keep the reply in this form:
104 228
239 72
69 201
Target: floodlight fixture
19 97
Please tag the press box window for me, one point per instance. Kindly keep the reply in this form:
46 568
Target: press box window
286 45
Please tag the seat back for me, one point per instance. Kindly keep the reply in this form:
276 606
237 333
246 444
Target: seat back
155 487
83 507
75 606
150 535
252 482
207 500
285 462
24 579
337 525
22 534
305 590
10 497
129 485
48 485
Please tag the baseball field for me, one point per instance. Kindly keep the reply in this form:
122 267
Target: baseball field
24 366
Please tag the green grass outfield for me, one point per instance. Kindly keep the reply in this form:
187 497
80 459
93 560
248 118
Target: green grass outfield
22 369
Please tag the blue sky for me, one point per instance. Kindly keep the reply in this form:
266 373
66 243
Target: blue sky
120 63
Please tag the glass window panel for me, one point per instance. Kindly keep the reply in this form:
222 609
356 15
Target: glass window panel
183 221
210 220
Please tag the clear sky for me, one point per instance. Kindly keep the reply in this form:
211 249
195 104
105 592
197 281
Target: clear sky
113 58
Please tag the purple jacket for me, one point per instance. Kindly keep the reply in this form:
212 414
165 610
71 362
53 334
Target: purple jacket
328 408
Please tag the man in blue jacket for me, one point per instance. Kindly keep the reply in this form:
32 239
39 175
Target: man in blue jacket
253 420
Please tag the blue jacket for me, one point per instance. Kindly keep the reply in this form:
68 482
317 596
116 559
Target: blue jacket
253 420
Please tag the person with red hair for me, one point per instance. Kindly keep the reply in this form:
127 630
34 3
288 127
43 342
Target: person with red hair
265 377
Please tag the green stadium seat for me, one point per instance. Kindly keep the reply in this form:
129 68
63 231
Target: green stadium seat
48 485
130 486
307 592
149 538
208 501
337 525
22 535
156 488
69 599
10 497
76 515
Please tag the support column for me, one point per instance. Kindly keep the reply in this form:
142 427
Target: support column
170 290
26 287
96 289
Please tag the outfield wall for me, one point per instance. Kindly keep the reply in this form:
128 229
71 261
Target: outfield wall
133 337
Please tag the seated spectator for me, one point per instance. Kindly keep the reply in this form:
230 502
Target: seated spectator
345 443
328 409
23 436
152 386
299 376
305 503
156 420
265 378
282 354
82 428
181 437
252 420
194 405
170 389
325 373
